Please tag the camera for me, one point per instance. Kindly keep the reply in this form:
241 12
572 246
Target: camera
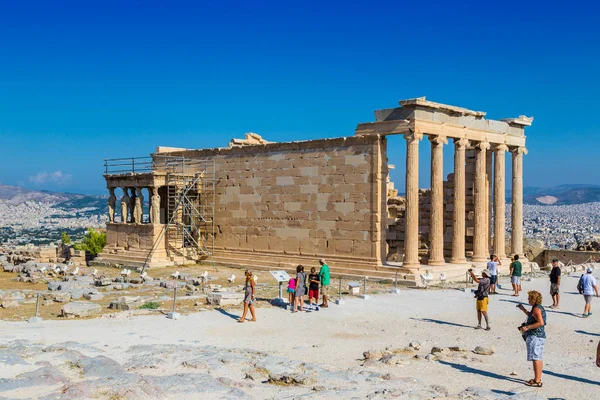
470 270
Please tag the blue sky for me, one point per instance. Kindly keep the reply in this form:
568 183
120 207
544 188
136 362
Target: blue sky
82 82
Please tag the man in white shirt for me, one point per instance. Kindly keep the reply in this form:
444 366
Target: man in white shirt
589 287
492 266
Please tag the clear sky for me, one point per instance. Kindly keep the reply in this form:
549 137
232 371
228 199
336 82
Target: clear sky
82 82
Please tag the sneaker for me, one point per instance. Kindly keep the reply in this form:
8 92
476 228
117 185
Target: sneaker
589 314
585 315
317 308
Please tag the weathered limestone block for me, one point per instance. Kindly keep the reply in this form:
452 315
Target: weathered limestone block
80 309
225 298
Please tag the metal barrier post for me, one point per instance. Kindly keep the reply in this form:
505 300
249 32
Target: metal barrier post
364 296
37 309
173 314
395 290
340 301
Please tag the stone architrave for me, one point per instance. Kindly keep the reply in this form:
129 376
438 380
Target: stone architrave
480 195
155 207
459 229
124 206
517 201
436 235
112 202
411 240
132 206
499 247
138 212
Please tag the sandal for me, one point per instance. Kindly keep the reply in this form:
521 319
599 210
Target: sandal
533 383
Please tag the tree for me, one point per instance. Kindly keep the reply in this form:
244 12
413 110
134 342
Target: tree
65 238
93 242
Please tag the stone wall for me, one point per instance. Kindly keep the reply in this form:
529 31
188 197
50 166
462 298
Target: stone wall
564 256
285 203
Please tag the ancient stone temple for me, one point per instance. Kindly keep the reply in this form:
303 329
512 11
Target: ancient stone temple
276 205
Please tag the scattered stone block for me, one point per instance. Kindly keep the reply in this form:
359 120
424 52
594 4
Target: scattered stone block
484 351
93 296
10 304
225 298
81 309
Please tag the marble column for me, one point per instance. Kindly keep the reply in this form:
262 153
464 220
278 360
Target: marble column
480 231
411 231
138 211
458 228
124 206
155 206
517 201
499 201
436 233
112 203
489 195
132 206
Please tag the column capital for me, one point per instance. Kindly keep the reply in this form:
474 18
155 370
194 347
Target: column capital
519 150
413 135
500 148
461 142
482 145
438 139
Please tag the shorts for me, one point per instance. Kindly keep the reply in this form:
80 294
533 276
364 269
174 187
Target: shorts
313 294
535 348
325 290
553 289
482 305
291 290
493 279
588 298
515 280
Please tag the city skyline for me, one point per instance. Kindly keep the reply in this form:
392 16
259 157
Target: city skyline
118 80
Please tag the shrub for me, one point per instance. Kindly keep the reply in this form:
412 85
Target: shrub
151 305
65 238
93 242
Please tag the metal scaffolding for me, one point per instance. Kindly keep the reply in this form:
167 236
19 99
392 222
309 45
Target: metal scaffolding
190 203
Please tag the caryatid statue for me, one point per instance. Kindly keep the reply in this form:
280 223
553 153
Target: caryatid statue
124 205
132 206
138 207
112 200
155 207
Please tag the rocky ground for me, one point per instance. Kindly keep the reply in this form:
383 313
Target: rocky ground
418 344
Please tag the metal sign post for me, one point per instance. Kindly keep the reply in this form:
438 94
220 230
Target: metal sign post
340 301
395 290
364 296
281 277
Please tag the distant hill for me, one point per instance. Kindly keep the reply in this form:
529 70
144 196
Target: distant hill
561 195
17 195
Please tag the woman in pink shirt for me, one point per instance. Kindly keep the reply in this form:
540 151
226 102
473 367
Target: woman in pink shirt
291 289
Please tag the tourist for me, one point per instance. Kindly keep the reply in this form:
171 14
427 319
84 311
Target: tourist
535 335
248 298
313 289
589 287
481 294
515 274
291 290
300 289
555 284
492 266
325 279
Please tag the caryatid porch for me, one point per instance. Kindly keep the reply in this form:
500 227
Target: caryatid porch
469 131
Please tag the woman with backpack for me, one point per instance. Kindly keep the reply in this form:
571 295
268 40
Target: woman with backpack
300 289
535 335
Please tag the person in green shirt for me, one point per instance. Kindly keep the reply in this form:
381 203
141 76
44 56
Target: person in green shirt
515 274
325 279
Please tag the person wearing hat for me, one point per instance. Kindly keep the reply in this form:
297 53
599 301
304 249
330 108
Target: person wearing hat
481 294
555 284
589 287
325 280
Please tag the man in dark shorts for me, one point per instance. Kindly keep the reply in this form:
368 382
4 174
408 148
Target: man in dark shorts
492 266
555 284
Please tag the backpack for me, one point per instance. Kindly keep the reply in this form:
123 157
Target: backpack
580 285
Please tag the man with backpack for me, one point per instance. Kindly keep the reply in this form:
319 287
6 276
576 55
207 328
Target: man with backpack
481 294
